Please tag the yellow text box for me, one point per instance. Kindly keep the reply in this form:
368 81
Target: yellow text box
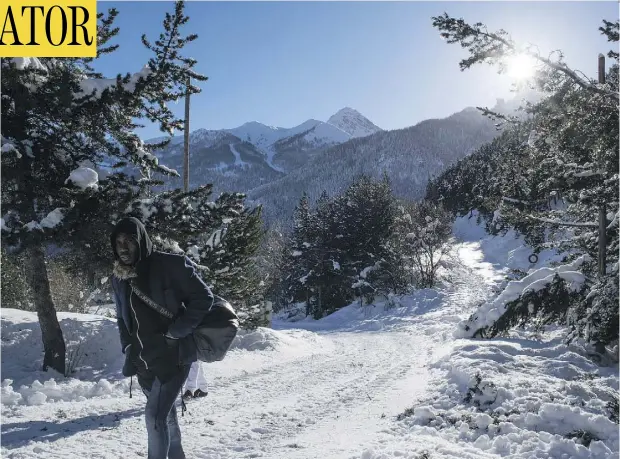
48 28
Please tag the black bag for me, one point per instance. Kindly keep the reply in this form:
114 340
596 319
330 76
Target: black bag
215 333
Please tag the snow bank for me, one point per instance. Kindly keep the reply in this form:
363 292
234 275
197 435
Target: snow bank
467 229
72 390
522 398
397 312
537 280
263 339
94 353
508 251
509 398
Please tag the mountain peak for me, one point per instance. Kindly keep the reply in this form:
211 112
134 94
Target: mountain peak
353 122
346 111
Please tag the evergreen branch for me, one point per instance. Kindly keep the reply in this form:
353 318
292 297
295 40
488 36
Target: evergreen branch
516 201
491 46
561 223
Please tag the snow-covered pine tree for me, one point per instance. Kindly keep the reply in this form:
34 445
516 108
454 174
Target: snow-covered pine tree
60 118
423 230
332 279
569 170
478 181
312 265
346 246
369 218
342 248
298 253
232 267
240 244
575 164
273 263
317 258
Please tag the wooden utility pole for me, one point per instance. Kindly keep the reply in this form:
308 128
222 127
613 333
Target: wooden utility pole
186 138
602 212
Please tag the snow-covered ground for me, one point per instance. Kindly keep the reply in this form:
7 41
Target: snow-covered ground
364 383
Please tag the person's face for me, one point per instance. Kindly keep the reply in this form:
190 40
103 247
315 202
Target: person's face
127 249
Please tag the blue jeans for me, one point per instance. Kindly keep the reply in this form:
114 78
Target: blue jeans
162 424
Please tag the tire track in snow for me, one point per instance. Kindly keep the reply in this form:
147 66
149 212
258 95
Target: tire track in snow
327 390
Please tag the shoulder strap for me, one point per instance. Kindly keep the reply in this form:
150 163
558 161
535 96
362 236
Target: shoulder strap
149 302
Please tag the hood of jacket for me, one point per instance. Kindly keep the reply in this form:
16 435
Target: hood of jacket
132 227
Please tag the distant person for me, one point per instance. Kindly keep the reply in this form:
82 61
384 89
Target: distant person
149 289
196 383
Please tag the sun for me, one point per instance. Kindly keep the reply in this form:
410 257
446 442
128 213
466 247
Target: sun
520 66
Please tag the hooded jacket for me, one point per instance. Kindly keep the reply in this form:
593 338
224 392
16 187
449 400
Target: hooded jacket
170 281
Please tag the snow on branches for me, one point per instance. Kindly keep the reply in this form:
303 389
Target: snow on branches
490 313
83 177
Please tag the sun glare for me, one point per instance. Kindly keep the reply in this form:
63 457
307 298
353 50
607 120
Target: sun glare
520 66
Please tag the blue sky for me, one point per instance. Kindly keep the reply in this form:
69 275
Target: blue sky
281 63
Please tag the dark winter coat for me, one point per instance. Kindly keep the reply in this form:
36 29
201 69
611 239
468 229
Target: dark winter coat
172 282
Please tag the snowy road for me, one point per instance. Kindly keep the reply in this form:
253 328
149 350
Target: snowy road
333 388
333 392
321 405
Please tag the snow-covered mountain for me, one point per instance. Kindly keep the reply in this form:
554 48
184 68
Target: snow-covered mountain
409 156
353 123
344 125
263 136
219 158
275 165
252 154
291 152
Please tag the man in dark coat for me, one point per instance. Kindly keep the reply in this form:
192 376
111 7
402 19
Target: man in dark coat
152 342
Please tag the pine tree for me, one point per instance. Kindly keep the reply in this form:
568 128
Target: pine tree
331 287
481 180
370 222
422 235
569 158
315 252
352 254
298 248
273 262
59 118
345 247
